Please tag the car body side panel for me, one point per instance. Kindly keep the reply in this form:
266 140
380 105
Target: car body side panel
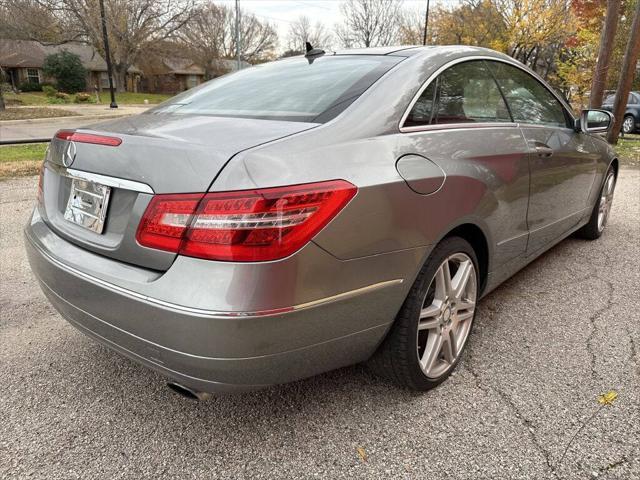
387 215
560 183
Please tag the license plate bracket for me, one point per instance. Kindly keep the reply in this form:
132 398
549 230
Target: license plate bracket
87 204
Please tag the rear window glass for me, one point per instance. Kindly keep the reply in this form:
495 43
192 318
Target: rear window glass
292 89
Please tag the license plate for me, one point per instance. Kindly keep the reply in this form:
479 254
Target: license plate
87 204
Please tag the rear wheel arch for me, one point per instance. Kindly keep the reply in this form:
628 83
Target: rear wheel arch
476 237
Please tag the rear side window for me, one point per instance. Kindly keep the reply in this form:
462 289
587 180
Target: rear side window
632 99
292 89
528 99
464 93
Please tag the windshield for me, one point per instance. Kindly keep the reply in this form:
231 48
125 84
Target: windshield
292 89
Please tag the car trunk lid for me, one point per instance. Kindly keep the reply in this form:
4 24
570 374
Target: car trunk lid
159 153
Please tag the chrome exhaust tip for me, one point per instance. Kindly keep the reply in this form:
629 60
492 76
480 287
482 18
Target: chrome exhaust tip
188 392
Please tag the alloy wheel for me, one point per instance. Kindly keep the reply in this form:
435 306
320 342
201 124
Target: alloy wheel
446 315
606 199
627 124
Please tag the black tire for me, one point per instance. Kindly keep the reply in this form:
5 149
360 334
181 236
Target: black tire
591 230
396 360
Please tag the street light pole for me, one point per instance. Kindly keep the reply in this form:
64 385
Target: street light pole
238 33
107 54
426 24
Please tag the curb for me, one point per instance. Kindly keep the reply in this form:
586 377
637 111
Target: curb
68 117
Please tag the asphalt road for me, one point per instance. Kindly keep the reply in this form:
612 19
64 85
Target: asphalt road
45 128
545 345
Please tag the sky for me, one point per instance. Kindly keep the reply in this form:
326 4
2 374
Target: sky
281 13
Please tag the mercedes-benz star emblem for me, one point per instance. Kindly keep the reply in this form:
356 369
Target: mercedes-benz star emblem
69 154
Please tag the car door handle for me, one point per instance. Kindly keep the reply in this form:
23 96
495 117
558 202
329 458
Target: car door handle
542 150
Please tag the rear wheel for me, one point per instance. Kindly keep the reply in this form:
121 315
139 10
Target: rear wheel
628 124
600 215
431 329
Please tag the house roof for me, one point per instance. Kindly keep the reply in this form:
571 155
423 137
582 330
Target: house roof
21 53
27 53
182 66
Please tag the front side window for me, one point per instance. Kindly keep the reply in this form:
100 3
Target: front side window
464 93
33 75
528 99
292 90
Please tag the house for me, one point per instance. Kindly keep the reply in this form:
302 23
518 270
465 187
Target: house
171 75
22 61
177 74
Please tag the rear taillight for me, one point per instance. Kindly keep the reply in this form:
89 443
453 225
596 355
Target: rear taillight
245 226
88 138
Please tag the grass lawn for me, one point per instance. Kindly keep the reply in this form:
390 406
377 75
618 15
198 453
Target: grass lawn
19 160
125 98
628 149
33 112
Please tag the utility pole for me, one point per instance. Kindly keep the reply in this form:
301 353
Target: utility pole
426 24
107 54
238 33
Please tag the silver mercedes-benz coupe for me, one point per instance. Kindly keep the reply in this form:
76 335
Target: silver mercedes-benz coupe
315 212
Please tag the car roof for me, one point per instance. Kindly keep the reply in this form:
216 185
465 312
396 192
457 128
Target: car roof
421 50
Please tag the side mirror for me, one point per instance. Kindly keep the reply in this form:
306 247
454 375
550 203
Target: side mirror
595 121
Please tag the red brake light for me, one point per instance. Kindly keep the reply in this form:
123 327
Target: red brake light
88 138
249 225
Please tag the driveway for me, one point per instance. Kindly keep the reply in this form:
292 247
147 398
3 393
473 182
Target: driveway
545 345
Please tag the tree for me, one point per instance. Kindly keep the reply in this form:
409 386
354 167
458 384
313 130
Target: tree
204 35
536 31
134 26
68 71
301 31
36 20
474 22
629 64
369 23
604 55
210 34
411 29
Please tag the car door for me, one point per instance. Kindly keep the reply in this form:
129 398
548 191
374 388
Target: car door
562 161
461 122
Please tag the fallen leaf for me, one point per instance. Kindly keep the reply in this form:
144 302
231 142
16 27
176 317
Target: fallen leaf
607 398
362 454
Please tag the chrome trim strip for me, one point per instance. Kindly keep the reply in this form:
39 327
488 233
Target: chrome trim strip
478 57
458 126
212 313
101 179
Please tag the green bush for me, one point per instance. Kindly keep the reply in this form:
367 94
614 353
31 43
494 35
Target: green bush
30 87
6 87
68 71
83 98
49 91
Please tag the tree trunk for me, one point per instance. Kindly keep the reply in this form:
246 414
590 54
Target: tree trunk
626 77
120 77
629 63
604 54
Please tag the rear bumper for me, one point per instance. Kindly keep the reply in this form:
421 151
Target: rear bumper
219 349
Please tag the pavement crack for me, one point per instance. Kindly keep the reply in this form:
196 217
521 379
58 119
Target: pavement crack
594 328
527 425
